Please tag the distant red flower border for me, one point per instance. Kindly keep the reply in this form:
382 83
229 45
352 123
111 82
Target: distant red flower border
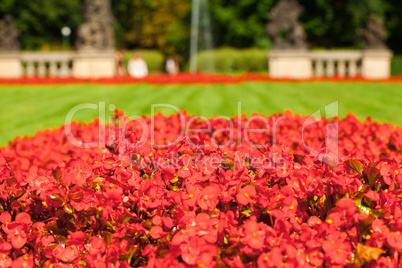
186 78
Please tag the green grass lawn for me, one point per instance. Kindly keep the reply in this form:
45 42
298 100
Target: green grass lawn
26 109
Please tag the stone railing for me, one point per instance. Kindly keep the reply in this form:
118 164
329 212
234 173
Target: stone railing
305 64
49 64
336 63
88 64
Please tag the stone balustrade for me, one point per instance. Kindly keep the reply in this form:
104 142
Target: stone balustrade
304 64
336 63
47 64
87 64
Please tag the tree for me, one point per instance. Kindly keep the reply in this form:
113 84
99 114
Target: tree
240 23
165 24
158 24
337 23
393 23
40 21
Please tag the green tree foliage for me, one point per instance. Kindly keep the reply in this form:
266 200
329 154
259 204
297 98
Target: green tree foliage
240 23
165 24
393 23
40 21
160 24
337 23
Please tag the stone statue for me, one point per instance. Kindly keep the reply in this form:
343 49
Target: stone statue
283 28
375 34
96 33
8 34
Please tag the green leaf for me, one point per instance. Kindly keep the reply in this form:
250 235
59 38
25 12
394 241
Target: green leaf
57 199
107 224
56 196
227 163
147 224
368 254
355 164
378 212
125 217
361 208
76 195
98 179
68 209
72 220
246 212
374 164
56 174
370 175
107 237
169 237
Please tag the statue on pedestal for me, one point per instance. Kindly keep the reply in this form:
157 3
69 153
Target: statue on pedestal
8 34
96 33
283 28
375 34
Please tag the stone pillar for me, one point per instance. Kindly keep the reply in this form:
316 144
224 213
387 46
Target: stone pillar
95 42
94 64
10 60
376 63
292 64
10 65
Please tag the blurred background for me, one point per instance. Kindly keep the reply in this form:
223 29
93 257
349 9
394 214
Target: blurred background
161 28
232 31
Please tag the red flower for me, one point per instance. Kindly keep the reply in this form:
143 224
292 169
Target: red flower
5 219
95 246
394 239
254 236
67 254
77 172
5 260
167 223
25 261
347 206
315 257
246 195
17 236
372 195
157 232
198 252
336 248
208 198
274 258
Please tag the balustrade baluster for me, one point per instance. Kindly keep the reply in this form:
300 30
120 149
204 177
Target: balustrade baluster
52 69
352 68
41 68
30 69
64 69
319 68
341 68
330 68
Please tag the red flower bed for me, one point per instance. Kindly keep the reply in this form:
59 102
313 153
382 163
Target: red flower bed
257 199
183 78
